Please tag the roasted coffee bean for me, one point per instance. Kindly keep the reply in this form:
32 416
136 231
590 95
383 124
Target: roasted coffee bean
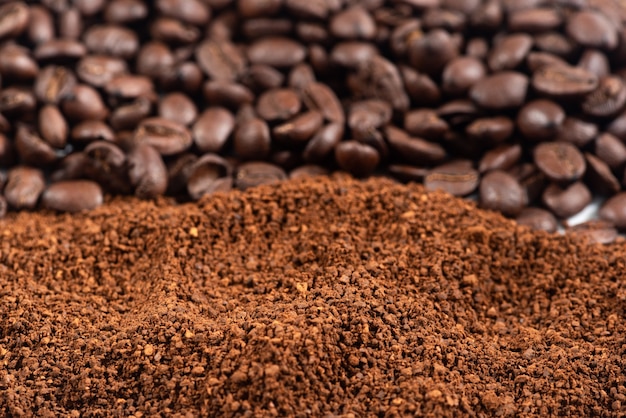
610 150
402 35
220 60
90 131
70 168
128 116
488 16
84 103
443 19
312 33
457 178
595 231
60 50
509 52
186 76
7 151
540 19
52 126
461 73
54 84
24 186
71 24
592 29
555 43
194 12
13 19
537 60
89 7
263 27
407 173
31 149
353 23
98 70
209 174
379 78
212 129
166 136
503 90
277 52
173 31
502 157
262 77
153 59
537 219
299 129
599 176
540 120
146 171
255 8
420 87
16 63
425 123
72 196
112 40
356 158
352 54
106 164
40 25
607 100
367 115
125 87
458 112
309 9
563 81
318 96
613 210
125 11
431 52
254 174
596 62
301 76
577 131
500 191
491 130
231 95
323 142
307 171
414 150
178 108
178 170
559 161
17 101
286 159
531 179
252 139
566 201
278 104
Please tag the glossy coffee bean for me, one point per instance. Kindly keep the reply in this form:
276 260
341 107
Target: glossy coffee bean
501 191
566 201
212 129
591 28
537 219
503 90
457 178
278 104
179 108
209 174
559 161
356 158
563 81
614 210
146 171
540 120
595 231
252 139
166 136
52 126
72 196
24 186
255 174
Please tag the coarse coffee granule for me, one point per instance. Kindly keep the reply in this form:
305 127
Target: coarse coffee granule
319 297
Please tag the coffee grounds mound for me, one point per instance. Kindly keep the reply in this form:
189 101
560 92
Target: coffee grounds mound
317 297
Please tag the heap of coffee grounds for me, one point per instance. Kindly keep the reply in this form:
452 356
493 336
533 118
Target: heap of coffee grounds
323 297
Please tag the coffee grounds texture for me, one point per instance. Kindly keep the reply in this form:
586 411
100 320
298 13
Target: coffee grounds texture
318 297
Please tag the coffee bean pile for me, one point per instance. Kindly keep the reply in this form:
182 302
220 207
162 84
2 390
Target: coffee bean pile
519 101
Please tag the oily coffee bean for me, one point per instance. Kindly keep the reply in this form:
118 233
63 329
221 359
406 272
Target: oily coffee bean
611 150
193 12
425 123
230 95
577 131
178 170
534 20
599 176
146 171
531 179
566 201
300 128
17 101
106 164
91 130
125 11
613 210
443 19
262 27
128 116
54 84
352 54
220 60
537 219
379 78
312 32
209 174
356 158
420 87
173 31
252 139
595 231
353 23
488 16
212 129
278 104
70 168
52 126
60 50
414 150
461 73
254 174
592 29
457 178
596 62
153 59
262 77
32 149
559 161
186 76
408 173
540 120
7 151
301 76
24 186
112 40
179 108
306 171
84 103
72 196
563 81
98 70
367 115
503 90
125 87
16 63
255 8
430 52
13 19
501 191
40 25
555 43
166 136
492 130
509 52
537 60
276 51
608 99
70 24
309 9
323 142
4 206
318 96
502 157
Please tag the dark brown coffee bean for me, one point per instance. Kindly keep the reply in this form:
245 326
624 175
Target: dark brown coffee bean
264 27
84 103
70 168
52 126
277 52
323 142
286 159
230 95
353 23
368 115
562 81
13 19
301 76
186 76
502 157
461 73
178 108
537 60
537 219
353 54
592 29
89 7
262 77
146 171
308 9
414 150
566 201
220 60
252 139
40 25
477 48
178 170
425 123
500 191
193 12
312 32
106 164
422 90
408 173
457 178
212 129
509 52
503 90
24 186
209 174
595 231
126 87
492 130
431 52
610 150
540 120
318 96
90 131
577 131
356 158
54 84
166 136
31 149
299 129
488 16
379 78
254 174
599 176
555 43
613 210
72 196
596 62
449 20
153 59
535 20
17 101
129 115
125 11
531 179
278 104
16 63
308 171
607 100
112 40
172 31
71 24
559 161
255 8
7 151
98 70
403 34
458 112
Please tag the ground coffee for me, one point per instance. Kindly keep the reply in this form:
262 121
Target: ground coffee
324 297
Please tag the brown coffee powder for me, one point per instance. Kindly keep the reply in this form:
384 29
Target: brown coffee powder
323 297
